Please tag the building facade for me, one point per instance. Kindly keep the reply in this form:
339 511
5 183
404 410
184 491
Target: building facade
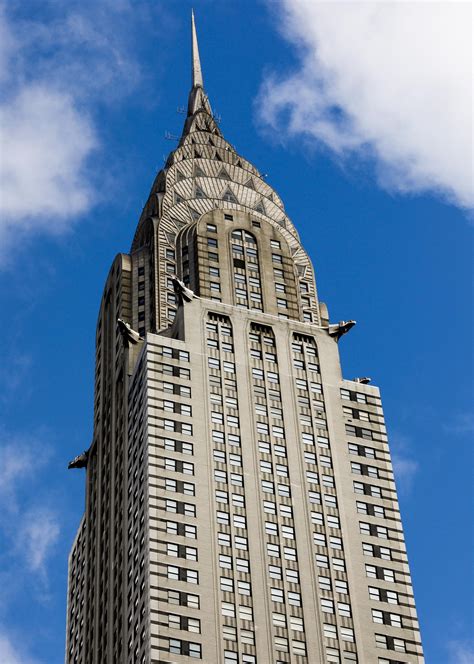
240 498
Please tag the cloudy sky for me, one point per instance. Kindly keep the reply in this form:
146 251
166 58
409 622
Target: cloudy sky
361 115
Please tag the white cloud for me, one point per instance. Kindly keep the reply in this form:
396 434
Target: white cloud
37 534
17 463
405 467
30 531
462 652
58 67
463 423
405 470
12 653
46 141
389 81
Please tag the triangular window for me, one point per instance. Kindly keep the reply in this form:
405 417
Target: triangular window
223 174
239 163
194 214
179 175
199 193
198 172
229 196
178 198
250 184
197 154
210 141
217 156
260 207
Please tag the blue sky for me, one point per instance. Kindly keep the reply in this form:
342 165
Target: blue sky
360 116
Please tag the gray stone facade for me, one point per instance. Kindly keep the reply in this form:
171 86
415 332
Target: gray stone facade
240 499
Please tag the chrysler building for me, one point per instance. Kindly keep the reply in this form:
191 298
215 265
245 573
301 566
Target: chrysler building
240 500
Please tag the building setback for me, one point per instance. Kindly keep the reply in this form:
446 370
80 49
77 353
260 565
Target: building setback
240 498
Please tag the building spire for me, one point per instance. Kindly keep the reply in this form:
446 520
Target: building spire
200 117
197 72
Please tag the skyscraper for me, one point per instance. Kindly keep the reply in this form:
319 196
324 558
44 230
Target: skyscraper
240 499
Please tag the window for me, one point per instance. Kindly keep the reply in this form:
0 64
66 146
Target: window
181 574
390 643
223 539
314 497
296 624
222 497
228 609
284 490
279 620
182 622
327 605
179 647
219 456
347 634
324 583
325 461
338 564
245 612
292 576
269 507
322 560
341 586
268 487
180 508
327 480
226 584
225 562
271 528
330 631
181 551
244 588
289 553
239 521
229 632
333 522
237 500
241 543
299 648
294 598
277 595
242 565
281 643
344 609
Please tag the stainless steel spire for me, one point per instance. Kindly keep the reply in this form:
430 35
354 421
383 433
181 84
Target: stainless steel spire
197 73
